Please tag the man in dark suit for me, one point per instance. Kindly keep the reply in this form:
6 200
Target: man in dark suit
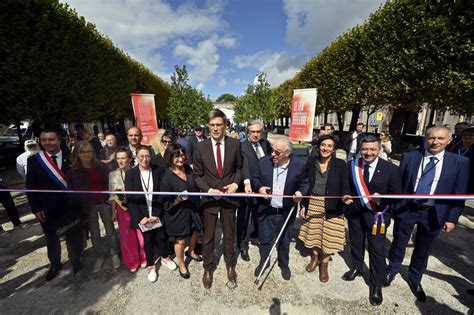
370 217
217 164
279 173
134 138
253 149
428 172
195 139
353 141
46 171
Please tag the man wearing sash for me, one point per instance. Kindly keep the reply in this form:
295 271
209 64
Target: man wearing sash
428 172
369 217
46 172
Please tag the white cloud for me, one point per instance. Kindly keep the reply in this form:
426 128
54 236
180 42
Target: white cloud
142 27
314 24
200 86
222 82
278 66
204 57
239 81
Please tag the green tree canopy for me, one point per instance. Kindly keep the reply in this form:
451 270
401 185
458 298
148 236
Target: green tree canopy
226 97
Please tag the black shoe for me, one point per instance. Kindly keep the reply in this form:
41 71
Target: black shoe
184 275
244 254
417 291
352 274
470 291
258 269
53 272
198 258
76 269
388 280
375 296
255 242
285 273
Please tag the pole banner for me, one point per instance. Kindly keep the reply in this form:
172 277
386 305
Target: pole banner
145 116
303 107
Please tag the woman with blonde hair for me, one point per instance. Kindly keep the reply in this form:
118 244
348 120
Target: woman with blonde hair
87 173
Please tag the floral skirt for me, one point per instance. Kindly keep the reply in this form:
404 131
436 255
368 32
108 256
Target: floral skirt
318 231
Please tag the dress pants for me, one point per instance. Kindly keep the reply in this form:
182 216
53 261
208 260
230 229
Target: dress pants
358 232
156 237
424 240
7 201
246 223
269 228
228 228
74 243
109 243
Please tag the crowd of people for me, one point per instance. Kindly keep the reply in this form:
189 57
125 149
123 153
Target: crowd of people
325 191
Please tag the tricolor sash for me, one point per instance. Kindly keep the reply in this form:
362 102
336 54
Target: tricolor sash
52 169
362 190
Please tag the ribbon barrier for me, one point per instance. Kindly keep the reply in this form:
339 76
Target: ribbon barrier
235 195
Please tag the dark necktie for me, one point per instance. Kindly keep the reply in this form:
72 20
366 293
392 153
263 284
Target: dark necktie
54 157
219 159
426 180
366 174
257 151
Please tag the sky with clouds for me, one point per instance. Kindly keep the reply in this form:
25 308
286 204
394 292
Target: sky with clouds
224 43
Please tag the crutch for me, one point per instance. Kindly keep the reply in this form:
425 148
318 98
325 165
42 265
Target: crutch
274 245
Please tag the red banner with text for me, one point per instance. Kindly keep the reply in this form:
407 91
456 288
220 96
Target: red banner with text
145 116
303 107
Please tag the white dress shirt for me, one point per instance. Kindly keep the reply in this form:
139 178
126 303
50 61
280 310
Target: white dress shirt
439 166
59 158
372 167
278 187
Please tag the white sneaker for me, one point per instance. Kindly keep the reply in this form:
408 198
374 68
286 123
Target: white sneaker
144 265
98 264
152 276
116 263
169 263
133 270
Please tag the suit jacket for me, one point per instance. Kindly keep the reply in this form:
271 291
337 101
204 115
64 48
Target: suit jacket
205 172
137 203
296 180
348 144
55 205
249 157
337 185
386 180
454 179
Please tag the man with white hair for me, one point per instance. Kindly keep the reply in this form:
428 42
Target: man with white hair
31 148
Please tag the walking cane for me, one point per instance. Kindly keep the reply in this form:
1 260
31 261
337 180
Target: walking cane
274 245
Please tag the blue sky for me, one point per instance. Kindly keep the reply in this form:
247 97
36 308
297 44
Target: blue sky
224 44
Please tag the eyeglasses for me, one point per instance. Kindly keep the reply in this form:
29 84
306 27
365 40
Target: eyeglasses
277 152
166 141
143 158
255 131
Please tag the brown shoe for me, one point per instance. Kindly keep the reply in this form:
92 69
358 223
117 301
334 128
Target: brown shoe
323 272
311 267
207 279
231 274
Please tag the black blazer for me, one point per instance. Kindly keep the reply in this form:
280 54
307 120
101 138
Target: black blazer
386 180
55 205
337 185
137 203
249 157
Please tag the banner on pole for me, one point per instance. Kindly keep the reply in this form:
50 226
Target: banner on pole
303 107
145 116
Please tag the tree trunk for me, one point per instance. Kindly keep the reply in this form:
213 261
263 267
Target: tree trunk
19 133
326 117
355 116
340 121
399 119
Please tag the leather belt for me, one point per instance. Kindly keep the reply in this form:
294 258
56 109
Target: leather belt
277 210
423 207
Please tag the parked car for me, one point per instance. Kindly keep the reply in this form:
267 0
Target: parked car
10 138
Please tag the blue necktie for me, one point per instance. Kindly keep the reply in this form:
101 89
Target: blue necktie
426 180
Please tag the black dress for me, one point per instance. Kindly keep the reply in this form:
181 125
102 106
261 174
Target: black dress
182 219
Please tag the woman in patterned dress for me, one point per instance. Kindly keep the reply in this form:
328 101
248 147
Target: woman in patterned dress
323 227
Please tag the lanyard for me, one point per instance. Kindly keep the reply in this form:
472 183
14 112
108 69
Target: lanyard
423 171
283 171
463 152
147 186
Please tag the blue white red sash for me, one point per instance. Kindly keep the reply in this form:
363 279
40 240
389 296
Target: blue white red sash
361 186
52 169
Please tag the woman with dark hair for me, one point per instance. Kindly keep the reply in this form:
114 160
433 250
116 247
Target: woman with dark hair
167 139
146 212
180 218
131 239
323 227
87 173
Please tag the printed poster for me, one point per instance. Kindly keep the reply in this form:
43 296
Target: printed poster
145 116
303 108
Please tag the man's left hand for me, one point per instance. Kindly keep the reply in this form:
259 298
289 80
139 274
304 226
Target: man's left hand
297 197
449 226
